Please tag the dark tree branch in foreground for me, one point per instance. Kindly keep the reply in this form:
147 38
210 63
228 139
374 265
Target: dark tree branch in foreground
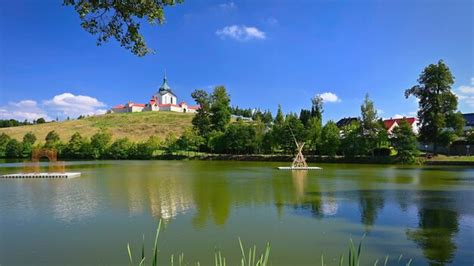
120 19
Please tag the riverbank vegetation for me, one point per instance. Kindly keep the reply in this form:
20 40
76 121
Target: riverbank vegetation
212 130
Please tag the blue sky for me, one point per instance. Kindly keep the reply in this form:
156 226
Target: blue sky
265 52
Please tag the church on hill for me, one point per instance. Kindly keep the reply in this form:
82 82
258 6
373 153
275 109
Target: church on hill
163 100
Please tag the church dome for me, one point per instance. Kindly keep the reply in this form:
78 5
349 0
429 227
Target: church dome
164 87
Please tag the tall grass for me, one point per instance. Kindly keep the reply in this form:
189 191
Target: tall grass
248 258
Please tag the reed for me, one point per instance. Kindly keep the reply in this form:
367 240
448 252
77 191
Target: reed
249 257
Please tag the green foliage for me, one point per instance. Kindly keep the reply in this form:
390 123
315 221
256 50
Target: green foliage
330 139
77 147
14 149
404 140
239 138
369 126
52 140
99 144
216 142
145 150
121 149
120 20
351 142
314 135
305 115
4 139
437 103
220 109
292 129
170 145
279 118
40 120
190 141
202 121
29 140
469 137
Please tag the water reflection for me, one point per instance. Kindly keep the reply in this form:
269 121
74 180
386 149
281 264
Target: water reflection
210 193
437 227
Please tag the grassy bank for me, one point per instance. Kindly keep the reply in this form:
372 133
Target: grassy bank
135 126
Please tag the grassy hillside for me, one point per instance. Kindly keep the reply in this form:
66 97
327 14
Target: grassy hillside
135 126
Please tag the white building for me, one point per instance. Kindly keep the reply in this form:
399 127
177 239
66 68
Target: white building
163 100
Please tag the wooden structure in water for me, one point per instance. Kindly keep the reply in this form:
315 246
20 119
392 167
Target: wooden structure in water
32 169
299 163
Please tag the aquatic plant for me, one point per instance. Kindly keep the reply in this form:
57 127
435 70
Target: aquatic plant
249 258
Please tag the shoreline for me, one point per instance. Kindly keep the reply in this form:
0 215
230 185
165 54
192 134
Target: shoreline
278 158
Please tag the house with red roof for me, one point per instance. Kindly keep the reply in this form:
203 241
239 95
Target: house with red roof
392 123
163 100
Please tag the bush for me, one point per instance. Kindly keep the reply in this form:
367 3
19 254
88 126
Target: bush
14 149
385 151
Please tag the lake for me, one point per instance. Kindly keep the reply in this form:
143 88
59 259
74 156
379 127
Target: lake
424 213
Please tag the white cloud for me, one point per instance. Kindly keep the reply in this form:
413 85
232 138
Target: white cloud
68 104
465 93
241 33
329 97
227 6
62 105
26 109
466 89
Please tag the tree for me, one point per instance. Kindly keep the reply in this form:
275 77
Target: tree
351 141
404 140
145 150
314 133
120 20
100 142
437 103
369 125
330 139
190 140
305 115
279 118
121 149
239 138
317 107
220 109
14 149
4 139
40 121
29 140
202 121
76 147
291 130
52 140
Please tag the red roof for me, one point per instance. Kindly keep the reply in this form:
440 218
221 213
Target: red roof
389 122
195 107
120 106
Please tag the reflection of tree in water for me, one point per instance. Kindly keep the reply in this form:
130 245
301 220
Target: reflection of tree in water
370 203
438 226
211 200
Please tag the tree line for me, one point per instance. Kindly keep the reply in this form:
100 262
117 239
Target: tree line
214 130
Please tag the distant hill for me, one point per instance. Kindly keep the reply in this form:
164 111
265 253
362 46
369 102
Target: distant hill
135 126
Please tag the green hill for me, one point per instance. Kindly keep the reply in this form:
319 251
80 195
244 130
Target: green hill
135 126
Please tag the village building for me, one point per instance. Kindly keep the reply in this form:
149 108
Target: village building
163 100
392 123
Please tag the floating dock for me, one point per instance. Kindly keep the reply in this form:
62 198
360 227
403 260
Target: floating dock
299 168
66 175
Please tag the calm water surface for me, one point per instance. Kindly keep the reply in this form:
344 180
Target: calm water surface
424 213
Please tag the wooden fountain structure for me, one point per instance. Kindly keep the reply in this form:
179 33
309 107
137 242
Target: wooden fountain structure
32 169
299 163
